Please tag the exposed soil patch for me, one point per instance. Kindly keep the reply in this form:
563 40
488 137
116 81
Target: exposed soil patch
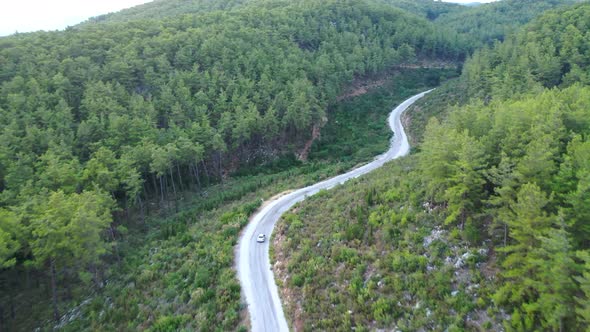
315 134
361 87
490 269
364 84
290 300
407 120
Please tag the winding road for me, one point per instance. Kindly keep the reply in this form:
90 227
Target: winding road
253 262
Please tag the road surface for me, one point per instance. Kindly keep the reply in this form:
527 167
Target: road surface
253 262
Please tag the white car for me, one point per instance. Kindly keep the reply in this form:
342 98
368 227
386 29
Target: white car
261 238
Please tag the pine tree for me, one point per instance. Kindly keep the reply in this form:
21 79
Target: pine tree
66 229
583 301
10 237
537 281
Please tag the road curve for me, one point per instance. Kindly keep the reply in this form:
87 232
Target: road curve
253 262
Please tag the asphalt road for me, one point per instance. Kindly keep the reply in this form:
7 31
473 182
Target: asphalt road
253 262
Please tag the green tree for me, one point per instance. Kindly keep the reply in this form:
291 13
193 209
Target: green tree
67 228
583 300
10 237
537 280
465 181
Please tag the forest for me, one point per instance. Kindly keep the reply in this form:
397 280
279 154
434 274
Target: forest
118 120
136 144
486 226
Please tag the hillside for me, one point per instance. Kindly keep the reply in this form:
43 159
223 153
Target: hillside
478 25
159 9
126 141
489 22
485 228
190 93
481 24
551 52
135 147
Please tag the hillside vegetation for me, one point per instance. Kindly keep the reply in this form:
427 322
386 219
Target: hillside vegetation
547 53
485 228
159 9
136 145
491 22
108 127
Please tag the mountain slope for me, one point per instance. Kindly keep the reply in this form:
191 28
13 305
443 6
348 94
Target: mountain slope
552 51
169 8
485 228
493 21
110 131
159 9
226 84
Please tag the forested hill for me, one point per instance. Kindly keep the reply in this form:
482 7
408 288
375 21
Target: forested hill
549 52
480 25
489 22
173 100
514 165
429 9
159 9
169 8
119 116
487 227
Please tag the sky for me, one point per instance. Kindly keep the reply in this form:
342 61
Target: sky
33 15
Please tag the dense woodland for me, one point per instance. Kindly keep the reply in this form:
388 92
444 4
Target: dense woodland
487 225
110 118
169 8
107 126
517 166
486 24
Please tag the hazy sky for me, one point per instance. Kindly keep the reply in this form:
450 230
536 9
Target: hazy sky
32 15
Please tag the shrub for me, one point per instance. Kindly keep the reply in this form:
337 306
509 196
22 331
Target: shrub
169 323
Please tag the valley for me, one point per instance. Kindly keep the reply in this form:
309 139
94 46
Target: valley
138 146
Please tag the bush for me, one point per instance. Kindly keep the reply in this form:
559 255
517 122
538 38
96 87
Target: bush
297 280
169 323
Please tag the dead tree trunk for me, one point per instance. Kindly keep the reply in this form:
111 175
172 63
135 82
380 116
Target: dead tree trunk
206 173
141 210
161 191
155 186
196 166
219 170
174 190
54 289
179 177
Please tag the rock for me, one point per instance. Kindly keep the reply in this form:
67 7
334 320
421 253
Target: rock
435 234
448 260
